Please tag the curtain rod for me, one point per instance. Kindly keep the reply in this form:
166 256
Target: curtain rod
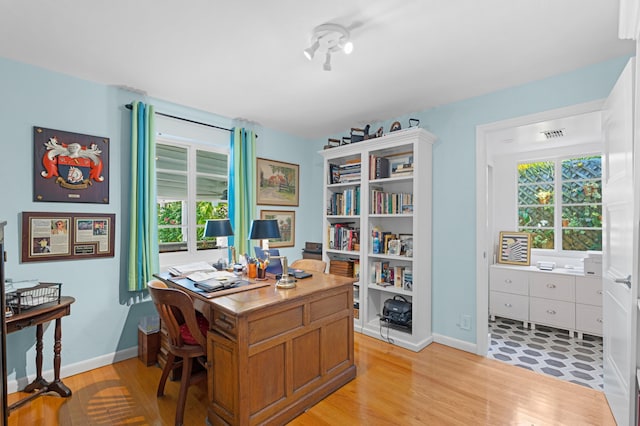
129 106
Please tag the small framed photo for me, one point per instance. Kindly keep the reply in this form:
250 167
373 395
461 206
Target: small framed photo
515 248
394 247
406 245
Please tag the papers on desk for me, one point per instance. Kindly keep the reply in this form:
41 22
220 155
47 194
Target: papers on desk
191 268
201 276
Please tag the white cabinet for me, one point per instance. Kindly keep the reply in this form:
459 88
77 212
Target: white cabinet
558 299
382 187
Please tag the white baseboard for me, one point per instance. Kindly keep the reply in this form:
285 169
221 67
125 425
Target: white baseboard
77 368
455 343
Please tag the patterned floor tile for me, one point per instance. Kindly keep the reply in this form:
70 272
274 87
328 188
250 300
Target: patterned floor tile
548 350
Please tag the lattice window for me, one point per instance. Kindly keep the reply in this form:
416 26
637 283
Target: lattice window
572 221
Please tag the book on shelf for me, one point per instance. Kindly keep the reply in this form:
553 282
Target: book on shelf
398 272
407 279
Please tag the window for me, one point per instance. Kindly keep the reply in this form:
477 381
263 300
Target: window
571 222
192 183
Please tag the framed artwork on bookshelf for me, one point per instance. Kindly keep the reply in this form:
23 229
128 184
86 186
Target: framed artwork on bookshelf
515 248
278 183
406 245
286 224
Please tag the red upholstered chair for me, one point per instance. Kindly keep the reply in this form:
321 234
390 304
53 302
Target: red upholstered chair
187 341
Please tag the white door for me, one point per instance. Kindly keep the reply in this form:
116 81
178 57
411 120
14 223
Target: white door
620 249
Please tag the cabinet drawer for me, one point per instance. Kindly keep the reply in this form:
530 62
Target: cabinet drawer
589 319
589 290
552 312
552 286
507 305
225 323
509 281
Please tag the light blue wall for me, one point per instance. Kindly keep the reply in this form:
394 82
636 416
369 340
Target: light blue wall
454 177
105 316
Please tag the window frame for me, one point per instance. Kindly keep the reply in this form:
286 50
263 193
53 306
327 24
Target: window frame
192 254
558 202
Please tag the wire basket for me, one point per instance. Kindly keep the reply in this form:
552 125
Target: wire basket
26 298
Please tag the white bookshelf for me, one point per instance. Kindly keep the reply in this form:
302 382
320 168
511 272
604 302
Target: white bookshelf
414 186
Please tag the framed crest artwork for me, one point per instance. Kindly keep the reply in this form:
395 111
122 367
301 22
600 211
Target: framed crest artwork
278 183
286 224
515 248
70 167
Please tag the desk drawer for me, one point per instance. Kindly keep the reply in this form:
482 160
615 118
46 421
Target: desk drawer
509 281
589 319
557 313
224 323
589 290
507 305
553 286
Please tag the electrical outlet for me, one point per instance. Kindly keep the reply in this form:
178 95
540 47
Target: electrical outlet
465 324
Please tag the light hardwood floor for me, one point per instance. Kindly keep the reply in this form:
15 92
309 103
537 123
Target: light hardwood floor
437 386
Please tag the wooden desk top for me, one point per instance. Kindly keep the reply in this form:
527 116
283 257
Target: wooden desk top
259 294
40 314
247 301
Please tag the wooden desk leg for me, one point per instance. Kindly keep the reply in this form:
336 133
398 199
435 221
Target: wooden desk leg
57 386
39 382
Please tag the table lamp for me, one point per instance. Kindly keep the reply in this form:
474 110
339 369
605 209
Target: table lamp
263 230
220 228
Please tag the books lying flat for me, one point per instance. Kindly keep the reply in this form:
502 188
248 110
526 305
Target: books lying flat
200 276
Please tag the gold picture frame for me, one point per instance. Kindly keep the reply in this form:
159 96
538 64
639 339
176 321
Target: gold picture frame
514 248
287 225
278 183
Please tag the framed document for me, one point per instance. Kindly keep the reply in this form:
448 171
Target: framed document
66 236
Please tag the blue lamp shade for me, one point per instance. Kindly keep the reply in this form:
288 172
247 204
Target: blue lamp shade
264 230
218 228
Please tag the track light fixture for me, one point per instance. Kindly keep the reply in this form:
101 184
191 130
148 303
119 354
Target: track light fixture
329 38
327 62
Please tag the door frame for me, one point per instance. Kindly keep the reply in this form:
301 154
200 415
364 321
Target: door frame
483 208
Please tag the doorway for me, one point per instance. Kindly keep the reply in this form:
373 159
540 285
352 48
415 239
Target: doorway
561 129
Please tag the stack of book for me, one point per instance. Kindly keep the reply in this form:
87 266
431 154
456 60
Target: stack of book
341 267
345 173
402 170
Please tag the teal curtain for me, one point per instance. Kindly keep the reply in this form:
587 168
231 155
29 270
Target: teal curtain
242 186
143 217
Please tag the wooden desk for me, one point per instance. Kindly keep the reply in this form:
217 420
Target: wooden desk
273 353
38 316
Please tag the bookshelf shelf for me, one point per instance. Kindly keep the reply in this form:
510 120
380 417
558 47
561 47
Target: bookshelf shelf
393 175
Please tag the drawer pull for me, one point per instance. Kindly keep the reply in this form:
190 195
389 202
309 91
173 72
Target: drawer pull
599 292
222 322
508 281
551 285
599 320
551 312
508 305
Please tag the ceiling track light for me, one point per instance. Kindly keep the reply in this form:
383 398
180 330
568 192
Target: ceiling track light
329 38
327 62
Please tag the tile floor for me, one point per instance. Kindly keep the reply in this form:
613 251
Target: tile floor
548 350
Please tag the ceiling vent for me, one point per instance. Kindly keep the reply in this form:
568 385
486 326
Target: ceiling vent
552 134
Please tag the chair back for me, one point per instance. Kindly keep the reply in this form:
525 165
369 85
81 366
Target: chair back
309 265
175 308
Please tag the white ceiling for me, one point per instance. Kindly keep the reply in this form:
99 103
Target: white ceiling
243 59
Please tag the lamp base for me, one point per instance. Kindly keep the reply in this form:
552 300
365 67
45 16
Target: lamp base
286 282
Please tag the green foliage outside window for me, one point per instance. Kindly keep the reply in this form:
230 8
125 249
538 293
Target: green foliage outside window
580 203
170 220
